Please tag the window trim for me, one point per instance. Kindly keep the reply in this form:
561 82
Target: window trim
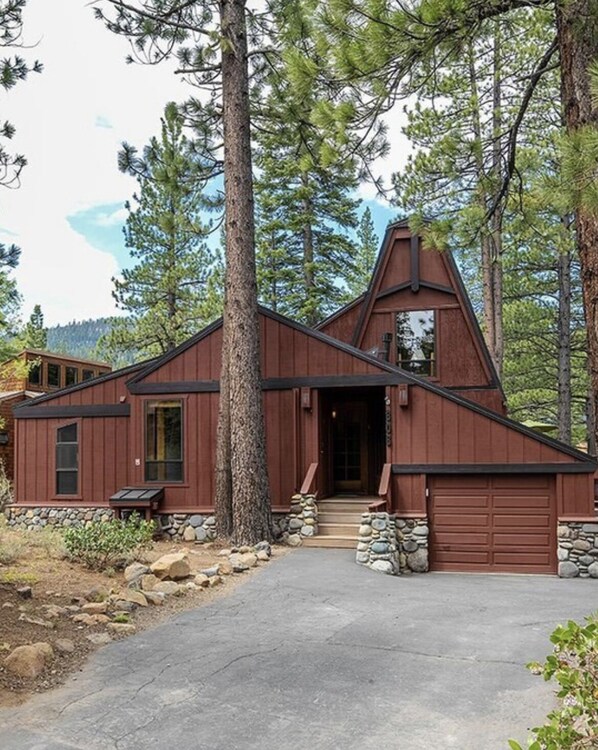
183 400
78 495
435 375
60 374
39 366
77 373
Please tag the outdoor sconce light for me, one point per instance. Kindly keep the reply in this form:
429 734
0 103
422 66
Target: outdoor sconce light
333 414
403 395
306 398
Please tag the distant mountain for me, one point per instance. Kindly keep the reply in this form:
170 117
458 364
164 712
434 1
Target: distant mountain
79 338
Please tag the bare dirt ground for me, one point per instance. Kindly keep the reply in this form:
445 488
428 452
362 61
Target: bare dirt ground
38 561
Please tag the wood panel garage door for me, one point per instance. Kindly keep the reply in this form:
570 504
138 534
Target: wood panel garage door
494 523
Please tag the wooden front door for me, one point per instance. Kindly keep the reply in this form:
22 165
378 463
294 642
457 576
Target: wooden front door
350 447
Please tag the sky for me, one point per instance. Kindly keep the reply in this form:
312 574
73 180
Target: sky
68 213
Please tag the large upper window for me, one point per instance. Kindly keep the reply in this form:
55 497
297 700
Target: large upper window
164 441
67 460
71 375
35 374
416 342
54 374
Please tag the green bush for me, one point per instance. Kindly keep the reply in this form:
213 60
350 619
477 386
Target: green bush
574 665
104 544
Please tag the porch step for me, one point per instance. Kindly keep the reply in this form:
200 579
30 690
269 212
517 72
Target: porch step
331 542
339 517
339 529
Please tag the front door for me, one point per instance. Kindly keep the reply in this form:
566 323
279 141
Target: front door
350 447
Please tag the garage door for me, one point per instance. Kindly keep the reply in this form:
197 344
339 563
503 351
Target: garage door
493 523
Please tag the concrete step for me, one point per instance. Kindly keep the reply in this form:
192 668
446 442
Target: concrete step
331 542
342 506
338 529
339 517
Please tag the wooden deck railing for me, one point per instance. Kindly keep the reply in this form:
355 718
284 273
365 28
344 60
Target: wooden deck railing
309 479
384 503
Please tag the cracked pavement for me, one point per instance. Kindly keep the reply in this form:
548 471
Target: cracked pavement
316 651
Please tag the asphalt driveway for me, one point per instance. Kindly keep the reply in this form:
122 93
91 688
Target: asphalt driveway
317 653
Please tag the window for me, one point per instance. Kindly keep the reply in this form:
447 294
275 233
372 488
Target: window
88 374
35 374
164 441
67 460
71 376
54 374
416 342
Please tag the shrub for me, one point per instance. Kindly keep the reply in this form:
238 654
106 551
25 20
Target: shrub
103 544
574 665
18 576
6 493
12 547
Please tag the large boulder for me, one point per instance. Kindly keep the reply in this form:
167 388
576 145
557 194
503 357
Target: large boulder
29 661
173 566
134 571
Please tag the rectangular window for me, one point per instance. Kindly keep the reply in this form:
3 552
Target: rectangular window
88 374
54 375
416 342
67 460
71 376
35 374
164 441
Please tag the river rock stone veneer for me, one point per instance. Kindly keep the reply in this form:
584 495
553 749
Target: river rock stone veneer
35 519
578 549
301 522
377 546
412 535
193 527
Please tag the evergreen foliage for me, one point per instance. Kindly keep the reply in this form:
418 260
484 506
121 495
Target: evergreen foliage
163 293
363 257
35 335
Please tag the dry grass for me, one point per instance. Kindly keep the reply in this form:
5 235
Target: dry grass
15 544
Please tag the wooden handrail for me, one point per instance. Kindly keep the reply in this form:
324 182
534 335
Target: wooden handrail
383 491
309 478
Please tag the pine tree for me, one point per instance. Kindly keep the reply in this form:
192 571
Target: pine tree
163 293
36 334
363 256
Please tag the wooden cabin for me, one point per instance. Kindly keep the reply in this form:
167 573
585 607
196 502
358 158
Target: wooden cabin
27 375
394 397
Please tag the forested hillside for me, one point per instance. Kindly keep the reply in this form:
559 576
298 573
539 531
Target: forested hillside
78 338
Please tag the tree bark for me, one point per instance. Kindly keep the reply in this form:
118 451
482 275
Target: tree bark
311 317
251 510
577 25
223 499
564 348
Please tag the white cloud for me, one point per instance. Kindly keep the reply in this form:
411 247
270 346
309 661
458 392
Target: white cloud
104 219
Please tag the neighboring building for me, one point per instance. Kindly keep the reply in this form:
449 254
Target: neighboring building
48 372
395 396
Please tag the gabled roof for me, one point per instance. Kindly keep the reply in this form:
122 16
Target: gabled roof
337 313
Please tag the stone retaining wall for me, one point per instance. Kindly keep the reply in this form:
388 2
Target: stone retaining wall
578 549
35 519
300 523
190 527
412 535
377 543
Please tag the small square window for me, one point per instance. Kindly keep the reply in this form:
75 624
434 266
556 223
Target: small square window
88 374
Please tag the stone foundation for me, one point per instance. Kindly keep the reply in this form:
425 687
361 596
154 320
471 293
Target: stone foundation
412 536
35 519
577 549
377 543
300 523
188 527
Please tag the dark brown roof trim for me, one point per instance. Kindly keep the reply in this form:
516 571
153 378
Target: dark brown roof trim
74 410
554 468
414 251
422 284
84 384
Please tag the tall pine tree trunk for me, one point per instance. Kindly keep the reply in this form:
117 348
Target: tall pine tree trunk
251 514
223 499
577 24
564 347
311 316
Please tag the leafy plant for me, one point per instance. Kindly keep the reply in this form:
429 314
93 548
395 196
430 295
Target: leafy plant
6 493
121 617
103 544
574 665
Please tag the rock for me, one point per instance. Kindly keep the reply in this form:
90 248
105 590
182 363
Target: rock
97 594
201 534
134 571
53 611
590 528
189 534
240 567
173 566
148 581
25 592
421 531
365 530
214 581
98 639
196 521
95 608
202 580
245 549
563 532
582 544
224 553
136 597
383 566
264 547
295 523
225 568
155 597
362 557
64 645
380 548
568 570
379 524
121 628
37 621
167 587
410 545
209 572
8 605
307 530
29 661
262 555
418 561
562 554
86 619
249 559
593 570
294 540
123 606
